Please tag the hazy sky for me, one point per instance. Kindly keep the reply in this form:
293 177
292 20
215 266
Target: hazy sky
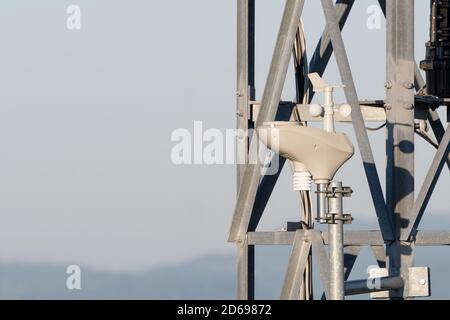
86 118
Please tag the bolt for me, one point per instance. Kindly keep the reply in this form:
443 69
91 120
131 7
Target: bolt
408 85
388 106
388 85
239 94
422 282
409 106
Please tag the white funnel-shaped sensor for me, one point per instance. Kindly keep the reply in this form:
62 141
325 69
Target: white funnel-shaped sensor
321 152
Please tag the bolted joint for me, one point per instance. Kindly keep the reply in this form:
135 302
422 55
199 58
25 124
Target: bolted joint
333 218
388 85
408 106
408 85
332 192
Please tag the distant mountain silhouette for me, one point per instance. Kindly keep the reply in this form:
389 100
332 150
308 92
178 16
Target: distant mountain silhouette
209 277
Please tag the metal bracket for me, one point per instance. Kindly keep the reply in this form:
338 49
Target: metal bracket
332 192
379 273
333 218
417 284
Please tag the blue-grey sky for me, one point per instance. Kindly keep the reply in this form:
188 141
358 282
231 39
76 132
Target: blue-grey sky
86 118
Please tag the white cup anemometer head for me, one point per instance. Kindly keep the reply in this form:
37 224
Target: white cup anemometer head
345 110
316 110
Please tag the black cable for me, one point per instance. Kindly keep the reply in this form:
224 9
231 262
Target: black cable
378 128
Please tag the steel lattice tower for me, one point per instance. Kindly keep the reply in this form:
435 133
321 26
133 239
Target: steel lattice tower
406 105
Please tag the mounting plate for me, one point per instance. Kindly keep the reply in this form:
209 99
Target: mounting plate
418 283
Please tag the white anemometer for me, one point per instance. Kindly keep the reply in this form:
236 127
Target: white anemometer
328 109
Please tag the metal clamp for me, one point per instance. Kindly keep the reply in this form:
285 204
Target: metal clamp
332 192
332 218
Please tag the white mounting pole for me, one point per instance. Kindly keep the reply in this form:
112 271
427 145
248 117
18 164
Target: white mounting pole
328 119
336 245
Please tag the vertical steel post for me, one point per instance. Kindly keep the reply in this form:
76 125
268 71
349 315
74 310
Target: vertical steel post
250 176
269 107
245 271
245 79
336 244
400 128
245 93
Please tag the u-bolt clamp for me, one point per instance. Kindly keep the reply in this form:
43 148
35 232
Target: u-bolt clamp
333 218
332 192
338 192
